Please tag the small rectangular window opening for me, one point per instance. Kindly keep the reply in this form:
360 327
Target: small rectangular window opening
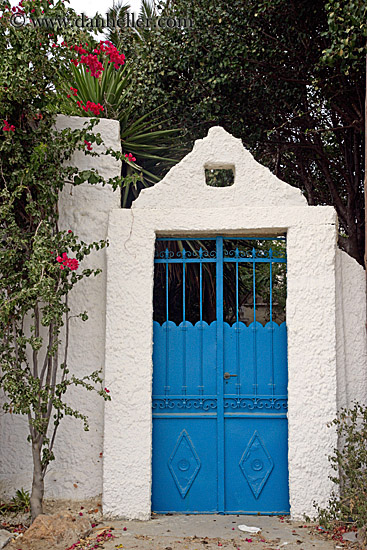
219 177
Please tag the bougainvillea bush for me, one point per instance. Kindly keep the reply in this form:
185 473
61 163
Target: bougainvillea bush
99 81
39 264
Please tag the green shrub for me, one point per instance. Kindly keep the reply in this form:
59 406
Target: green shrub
349 504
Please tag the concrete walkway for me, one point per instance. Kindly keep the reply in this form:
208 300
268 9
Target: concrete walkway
179 532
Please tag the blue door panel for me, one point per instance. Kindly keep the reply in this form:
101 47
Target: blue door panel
256 474
280 360
220 438
184 465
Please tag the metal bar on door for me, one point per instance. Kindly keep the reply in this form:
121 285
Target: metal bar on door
201 385
167 387
184 383
272 381
254 323
220 358
238 370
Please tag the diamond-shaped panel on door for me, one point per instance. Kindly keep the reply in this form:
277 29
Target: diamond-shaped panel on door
184 463
256 464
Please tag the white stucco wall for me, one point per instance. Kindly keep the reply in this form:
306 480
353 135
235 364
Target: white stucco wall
257 204
351 331
77 470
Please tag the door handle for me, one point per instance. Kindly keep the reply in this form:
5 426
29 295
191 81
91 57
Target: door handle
227 376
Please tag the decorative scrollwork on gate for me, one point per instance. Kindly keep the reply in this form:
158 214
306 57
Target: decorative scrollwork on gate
184 254
202 403
251 403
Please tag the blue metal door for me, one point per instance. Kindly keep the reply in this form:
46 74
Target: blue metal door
220 377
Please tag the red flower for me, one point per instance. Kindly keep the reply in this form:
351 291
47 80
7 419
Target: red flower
112 52
88 144
78 49
71 263
130 157
106 390
74 90
93 65
8 127
94 108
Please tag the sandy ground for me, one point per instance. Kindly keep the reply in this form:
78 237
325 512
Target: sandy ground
194 532
213 532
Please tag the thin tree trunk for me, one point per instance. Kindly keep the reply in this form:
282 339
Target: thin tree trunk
365 183
38 485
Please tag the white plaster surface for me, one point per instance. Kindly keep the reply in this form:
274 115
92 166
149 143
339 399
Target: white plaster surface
351 331
77 470
257 204
184 186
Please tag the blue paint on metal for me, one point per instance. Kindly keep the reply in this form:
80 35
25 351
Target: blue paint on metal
256 464
184 463
219 445
219 366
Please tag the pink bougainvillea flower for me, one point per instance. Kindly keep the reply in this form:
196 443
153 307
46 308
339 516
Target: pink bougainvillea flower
74 90
130 157
112 52
71 263
8 127
94 108
92 64
78 49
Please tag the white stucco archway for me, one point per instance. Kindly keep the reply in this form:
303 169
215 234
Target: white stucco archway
182 204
